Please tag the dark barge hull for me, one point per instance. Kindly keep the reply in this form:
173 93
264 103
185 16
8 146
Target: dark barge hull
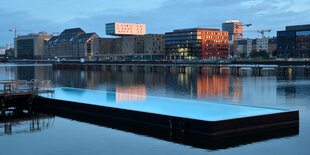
18 101
216 129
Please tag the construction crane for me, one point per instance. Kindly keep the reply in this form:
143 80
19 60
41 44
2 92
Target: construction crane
236 25
260 31
247 25
15 31
58 33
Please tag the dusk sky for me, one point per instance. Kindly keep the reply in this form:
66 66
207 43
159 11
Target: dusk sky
160 16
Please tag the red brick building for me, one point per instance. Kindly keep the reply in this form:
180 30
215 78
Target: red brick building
197 43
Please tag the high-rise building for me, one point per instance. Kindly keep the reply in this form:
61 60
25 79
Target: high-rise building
234 28
134 43
123 29
71 44
30 46
294 42
197 43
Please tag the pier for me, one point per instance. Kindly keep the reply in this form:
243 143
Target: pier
20 93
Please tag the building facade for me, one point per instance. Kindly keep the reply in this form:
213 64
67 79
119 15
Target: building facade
242 46
108 48
2 54
154 45
71 44
30 46
262 44
197 43
272 45
134 47
123 29
248 45
294 42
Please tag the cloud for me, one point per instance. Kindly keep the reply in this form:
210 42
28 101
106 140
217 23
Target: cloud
159 16
279 6
185 14
62 11
21 21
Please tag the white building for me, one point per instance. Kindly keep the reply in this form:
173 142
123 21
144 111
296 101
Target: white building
262 44
249 46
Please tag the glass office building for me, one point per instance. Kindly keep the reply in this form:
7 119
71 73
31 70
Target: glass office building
294 42
234 28
197 44
26 48
303 44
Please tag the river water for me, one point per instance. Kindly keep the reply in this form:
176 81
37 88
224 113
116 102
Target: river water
49 134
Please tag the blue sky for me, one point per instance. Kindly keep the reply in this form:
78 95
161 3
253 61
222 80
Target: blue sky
159 15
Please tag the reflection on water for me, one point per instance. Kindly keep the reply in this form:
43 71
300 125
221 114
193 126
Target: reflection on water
18 121
212 85
288 90
130 93
194 85
195 140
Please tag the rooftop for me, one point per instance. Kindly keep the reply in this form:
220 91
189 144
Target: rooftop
298 27
195 29
71 35
232 21
122 23
84 37
45 34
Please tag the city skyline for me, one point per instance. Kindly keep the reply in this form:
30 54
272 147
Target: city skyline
160 16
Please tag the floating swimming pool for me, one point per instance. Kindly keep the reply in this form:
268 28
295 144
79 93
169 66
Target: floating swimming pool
186 115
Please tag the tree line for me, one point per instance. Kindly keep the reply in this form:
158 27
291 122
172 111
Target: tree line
258 54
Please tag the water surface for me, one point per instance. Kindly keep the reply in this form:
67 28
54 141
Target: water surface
66 136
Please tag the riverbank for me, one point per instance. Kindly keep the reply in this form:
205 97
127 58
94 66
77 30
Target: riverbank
251 62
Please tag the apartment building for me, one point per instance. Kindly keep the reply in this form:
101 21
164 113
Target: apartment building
71 44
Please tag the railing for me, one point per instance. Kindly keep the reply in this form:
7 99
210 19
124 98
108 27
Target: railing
23 86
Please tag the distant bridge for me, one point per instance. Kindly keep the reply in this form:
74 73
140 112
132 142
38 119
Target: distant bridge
167 67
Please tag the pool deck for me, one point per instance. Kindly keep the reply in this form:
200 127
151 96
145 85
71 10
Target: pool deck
186 116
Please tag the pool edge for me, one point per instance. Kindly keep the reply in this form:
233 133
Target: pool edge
240 126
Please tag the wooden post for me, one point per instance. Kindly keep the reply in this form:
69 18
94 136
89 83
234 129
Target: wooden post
2 103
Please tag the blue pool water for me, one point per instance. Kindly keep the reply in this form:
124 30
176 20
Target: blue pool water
200 110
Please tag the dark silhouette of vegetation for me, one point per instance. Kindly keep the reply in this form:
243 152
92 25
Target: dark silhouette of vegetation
274 53
254 54
243 55
260 54
264 54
